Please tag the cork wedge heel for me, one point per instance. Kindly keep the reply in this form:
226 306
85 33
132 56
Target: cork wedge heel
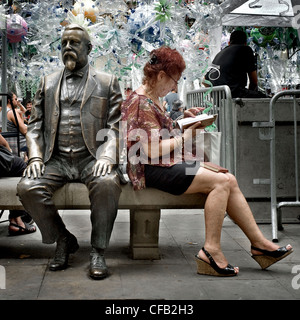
267 258
212 269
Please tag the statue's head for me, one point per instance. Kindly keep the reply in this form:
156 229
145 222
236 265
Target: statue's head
76 46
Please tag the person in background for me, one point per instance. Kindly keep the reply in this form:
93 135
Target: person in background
28 111
20 108
233 66
177 110
170 98
20 221
12 102
145 118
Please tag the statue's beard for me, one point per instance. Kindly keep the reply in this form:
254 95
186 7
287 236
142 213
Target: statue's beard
70 64
70 60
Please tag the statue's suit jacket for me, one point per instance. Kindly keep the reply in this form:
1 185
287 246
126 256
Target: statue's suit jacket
100 109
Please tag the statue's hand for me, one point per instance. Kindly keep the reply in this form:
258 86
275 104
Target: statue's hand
35 169
102 166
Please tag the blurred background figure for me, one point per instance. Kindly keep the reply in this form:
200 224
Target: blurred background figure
177 109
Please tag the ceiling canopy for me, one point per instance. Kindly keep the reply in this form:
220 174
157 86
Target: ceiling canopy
275 13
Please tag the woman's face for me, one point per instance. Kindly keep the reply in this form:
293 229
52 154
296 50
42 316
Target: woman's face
165 83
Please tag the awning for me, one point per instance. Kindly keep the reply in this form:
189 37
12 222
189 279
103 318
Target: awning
269 13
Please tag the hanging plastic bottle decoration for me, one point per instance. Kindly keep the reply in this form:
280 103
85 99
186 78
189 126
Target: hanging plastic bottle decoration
163 14
163 11
263 36
88 8
16 28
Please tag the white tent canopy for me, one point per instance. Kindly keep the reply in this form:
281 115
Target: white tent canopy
266 8
268 13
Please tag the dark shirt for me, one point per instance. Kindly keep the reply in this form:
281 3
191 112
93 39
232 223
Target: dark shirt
174 114
234 63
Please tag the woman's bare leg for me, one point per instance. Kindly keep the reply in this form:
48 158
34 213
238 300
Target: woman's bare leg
217 188
224 194
240 212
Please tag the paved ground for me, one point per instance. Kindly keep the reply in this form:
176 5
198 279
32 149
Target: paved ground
25 260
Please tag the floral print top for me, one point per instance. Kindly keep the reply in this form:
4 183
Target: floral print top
143 122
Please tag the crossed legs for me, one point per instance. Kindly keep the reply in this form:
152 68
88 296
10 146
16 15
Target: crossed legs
224 194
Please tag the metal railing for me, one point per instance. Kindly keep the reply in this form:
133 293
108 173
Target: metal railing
276 207
220 100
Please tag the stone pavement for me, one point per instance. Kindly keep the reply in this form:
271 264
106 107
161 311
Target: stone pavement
24 260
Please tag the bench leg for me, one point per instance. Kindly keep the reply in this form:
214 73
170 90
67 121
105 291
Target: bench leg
144 229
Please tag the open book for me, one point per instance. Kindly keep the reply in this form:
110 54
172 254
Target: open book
213 167
206 120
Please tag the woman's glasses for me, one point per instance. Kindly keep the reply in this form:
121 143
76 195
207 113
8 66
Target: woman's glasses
172 78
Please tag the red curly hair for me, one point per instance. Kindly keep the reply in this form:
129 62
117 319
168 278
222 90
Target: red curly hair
162 59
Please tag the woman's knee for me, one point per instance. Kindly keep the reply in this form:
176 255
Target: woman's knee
232 181
223 181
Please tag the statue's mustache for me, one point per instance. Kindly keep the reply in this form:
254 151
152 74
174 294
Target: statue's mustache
71 54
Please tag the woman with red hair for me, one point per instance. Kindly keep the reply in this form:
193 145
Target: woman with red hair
149 147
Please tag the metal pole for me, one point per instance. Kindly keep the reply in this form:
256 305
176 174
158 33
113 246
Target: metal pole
4 77
274 205
296 147
273 171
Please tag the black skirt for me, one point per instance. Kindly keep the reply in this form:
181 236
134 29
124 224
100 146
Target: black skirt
175 180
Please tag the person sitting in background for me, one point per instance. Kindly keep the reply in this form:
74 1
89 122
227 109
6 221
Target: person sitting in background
20 108
145 118
233 66
12 125
177 110
18 219
28 111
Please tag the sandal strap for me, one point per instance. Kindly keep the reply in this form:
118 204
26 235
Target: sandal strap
275 254
227 270
27 226
16 225
208 256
